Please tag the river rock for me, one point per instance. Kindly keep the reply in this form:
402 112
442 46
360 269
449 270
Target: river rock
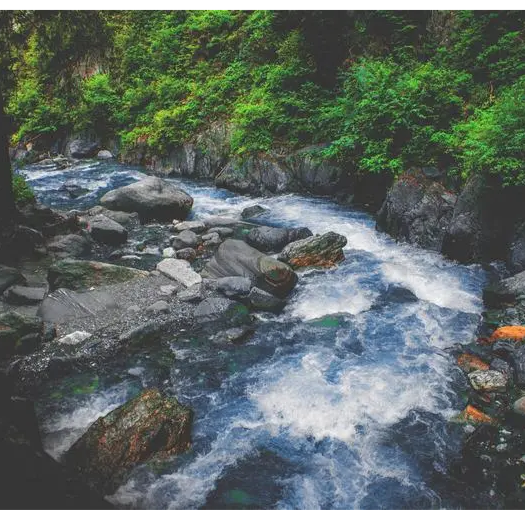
158 307
185 239
194 226
519 406
19 334
104 154
234 286
70 245
261 300
168 252
268 239
222 310
152 198
107 231
22 295
9 276
417 210
188 254
49 222
77 274
74 191
236 258
253 211
321 250
504 292
122 217
488 381
148 426
192 294
223 232
219 221
180 271
75 338
81 148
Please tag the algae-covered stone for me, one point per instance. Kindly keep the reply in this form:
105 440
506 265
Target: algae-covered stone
19 334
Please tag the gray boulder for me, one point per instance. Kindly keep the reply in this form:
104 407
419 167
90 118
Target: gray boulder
234 286
185 239
320 250
104 154
152 198
222 310
505 292
22 295
82 148
107 231
253 211
9 276
236 258
268 239
261 300
194 226
71 245
417 210
188 254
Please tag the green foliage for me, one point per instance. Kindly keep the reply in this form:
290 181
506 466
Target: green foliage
493 141
22 192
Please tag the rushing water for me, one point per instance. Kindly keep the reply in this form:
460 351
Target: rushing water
342 401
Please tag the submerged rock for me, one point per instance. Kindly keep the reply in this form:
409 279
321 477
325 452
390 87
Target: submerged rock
234 286
180 271
253 211
107 231
222 310
321 250
236 258
77 274
150 426
9 276
152 198
268 239
261 300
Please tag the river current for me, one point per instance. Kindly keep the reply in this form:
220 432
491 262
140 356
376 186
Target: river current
342 401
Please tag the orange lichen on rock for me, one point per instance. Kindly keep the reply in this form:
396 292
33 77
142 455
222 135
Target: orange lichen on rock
516 333
313 260
473 415
470 362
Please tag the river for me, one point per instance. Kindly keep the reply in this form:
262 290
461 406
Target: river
342 401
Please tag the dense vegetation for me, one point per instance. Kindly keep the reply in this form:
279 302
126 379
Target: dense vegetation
383 90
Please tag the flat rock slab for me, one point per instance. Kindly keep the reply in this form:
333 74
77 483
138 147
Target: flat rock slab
74 338
22 295
180 271
194 226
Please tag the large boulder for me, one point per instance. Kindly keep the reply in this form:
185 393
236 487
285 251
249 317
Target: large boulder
417 209
77 274
71 245
48 221
236 258
504 292
268 239
152 198
9 276
480 227
107 231
149 426
320 250
82 148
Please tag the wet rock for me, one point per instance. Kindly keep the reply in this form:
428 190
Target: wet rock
417 210
268 239
22 295
145 333
234 287
180 271
70 245
151 198
236 334
19 334
519 406
9 276
149 426
469 362
169 289
253 211
261 300
77 274
223 311
158 307
192 294
517 359
513 333
236 258
212 243
472 414
504 292
194 226
74 338
219 221
74 191
321 250
122 217
185 239
168 252
212 236
104 154
107 231
81 148
488 381
223 232
48 221
396 294
188 254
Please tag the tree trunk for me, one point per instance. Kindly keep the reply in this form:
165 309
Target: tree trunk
7 199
